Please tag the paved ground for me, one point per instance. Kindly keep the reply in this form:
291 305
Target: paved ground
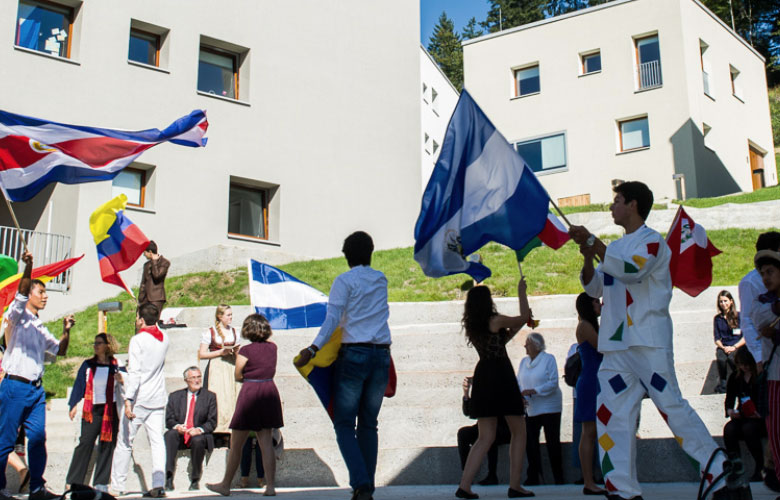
665 491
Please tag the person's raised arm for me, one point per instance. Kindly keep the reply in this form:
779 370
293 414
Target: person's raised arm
26 282
514 323
67 323
159 267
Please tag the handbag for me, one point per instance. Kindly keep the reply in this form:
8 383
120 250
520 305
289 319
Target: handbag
572 369
762 403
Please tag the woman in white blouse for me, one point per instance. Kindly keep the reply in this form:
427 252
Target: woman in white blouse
538 379
219 345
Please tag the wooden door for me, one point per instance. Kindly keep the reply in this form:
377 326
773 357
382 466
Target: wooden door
756 168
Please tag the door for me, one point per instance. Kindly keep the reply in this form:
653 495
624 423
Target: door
756 168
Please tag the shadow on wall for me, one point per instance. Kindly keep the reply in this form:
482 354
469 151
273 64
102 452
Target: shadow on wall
28 212
705 174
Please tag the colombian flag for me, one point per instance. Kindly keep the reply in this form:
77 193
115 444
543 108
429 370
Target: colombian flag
119 241
10 285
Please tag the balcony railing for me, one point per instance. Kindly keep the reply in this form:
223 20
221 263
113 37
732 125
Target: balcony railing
46 248
650 75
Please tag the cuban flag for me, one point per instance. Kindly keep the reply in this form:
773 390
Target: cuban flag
480 190
35 153
119 241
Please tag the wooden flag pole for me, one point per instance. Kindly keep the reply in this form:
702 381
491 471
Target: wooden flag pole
520 268
559 211
16 222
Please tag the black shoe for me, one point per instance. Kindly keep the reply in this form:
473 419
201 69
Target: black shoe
771 482
512 493
194 486
588 491
461 493
362 494
169 484
153 493
488 481
43 494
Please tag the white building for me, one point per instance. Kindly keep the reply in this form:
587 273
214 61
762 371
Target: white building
629 90
439 98
311 136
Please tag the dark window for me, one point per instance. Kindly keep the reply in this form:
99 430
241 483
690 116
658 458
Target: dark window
546 153
527 81
648 57
144 47
45 27
248 211
591 63
218 72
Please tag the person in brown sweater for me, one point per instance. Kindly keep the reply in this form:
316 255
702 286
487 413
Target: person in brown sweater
152 288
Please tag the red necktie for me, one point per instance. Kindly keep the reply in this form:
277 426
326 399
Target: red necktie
190 420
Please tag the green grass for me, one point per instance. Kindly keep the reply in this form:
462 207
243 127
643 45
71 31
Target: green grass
599 207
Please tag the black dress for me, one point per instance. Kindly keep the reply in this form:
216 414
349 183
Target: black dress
495 392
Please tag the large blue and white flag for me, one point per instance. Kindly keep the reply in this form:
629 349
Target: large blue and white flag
480 190
283 299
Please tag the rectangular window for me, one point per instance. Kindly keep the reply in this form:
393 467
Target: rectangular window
544 154
648 59
705 66
248 211
218 72
634 134
591 63
132 183
736 88
527 81
45 27
144 47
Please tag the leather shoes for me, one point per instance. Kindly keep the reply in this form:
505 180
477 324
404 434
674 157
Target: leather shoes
194 486
169 484
513 493
42 494
461 493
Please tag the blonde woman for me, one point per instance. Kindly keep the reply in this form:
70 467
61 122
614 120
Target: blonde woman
219 346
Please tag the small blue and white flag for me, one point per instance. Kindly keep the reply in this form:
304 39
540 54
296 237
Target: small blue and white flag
283 299
480 190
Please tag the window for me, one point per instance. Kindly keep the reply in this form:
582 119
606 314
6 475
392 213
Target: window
144 47
705 132
527 81
131 182
544 154
634 134
648 59
736 88
248 211
591 63
45 27
218 72
705 66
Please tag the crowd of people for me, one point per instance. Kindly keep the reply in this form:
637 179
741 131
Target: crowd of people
623 341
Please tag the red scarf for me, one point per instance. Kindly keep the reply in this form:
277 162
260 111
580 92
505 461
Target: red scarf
153 331
106 427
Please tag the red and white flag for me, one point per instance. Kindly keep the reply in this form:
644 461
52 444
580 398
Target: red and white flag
692 253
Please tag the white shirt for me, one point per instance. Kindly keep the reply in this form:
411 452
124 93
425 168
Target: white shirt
357 302
762 316
30 339
635 282
540 374
99 383
228 333
750 287
146 370
187 415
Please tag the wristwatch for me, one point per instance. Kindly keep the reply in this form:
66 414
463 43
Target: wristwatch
590 241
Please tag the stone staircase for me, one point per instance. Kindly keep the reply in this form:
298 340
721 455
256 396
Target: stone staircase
417 427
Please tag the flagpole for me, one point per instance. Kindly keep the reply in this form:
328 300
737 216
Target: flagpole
559 211
16 222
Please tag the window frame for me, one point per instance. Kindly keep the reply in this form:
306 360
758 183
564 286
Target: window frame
637 40
516 82
620 133
736 89
540 138
70 15
142 196
235 57
586 55
265 196
157 45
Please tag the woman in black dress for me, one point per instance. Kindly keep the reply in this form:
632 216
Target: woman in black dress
495 392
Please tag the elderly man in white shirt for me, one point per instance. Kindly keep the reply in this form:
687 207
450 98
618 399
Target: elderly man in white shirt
145 400
22 398
357 302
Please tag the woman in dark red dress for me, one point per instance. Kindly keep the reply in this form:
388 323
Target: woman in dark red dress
258 407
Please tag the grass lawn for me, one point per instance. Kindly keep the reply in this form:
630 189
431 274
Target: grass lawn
599 207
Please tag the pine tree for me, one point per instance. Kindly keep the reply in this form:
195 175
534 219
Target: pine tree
470 30
446 50
504 14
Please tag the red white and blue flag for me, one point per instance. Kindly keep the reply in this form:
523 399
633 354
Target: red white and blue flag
35 153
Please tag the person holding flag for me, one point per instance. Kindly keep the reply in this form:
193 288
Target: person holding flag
22 398
636 341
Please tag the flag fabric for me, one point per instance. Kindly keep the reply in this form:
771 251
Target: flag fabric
35 153
10 285
8 267
554 235
119 241
692 251
289 303
480 190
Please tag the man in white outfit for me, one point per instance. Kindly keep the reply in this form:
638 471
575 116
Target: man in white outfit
145 400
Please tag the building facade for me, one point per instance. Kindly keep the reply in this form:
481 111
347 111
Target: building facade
304 144
659 91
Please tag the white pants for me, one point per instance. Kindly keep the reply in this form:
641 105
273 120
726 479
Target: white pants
624 377
153 419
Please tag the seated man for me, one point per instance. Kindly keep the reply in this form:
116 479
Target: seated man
191 417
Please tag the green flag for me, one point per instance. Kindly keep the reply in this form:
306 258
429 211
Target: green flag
8 267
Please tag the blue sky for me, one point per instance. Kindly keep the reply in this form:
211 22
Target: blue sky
460 11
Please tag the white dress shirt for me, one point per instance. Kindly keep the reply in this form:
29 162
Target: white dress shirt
99 383
763 316
146 369
357 302
750 287
540 374
190 395
30 339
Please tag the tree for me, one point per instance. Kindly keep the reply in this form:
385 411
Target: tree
446 50
470 30
504 14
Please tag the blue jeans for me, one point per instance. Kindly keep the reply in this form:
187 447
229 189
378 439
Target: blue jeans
360 380
22 403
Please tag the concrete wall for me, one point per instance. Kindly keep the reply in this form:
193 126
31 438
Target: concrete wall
328 111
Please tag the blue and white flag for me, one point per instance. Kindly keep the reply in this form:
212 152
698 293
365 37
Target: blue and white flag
283 299
480 190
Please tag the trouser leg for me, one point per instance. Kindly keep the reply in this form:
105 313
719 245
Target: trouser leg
467 436
123 452
12 410
532 449
77 472
720 361
35 426
197 454
105 454
752 431
173 440
154 423
368 414
552 436
246 457
773 423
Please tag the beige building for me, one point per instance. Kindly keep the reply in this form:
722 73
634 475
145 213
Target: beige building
314 116
660 91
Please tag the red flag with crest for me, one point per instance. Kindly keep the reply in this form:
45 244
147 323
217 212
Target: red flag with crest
692 253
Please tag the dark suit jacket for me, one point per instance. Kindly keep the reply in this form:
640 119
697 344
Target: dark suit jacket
153 281
205 412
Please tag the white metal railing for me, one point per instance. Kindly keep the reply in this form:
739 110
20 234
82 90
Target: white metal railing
650 75
46 248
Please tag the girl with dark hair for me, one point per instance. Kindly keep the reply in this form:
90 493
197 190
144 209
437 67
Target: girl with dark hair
97 383
259 407
495 392
588 310
745 424
728 337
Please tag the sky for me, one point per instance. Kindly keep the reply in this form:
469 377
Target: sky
460 11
